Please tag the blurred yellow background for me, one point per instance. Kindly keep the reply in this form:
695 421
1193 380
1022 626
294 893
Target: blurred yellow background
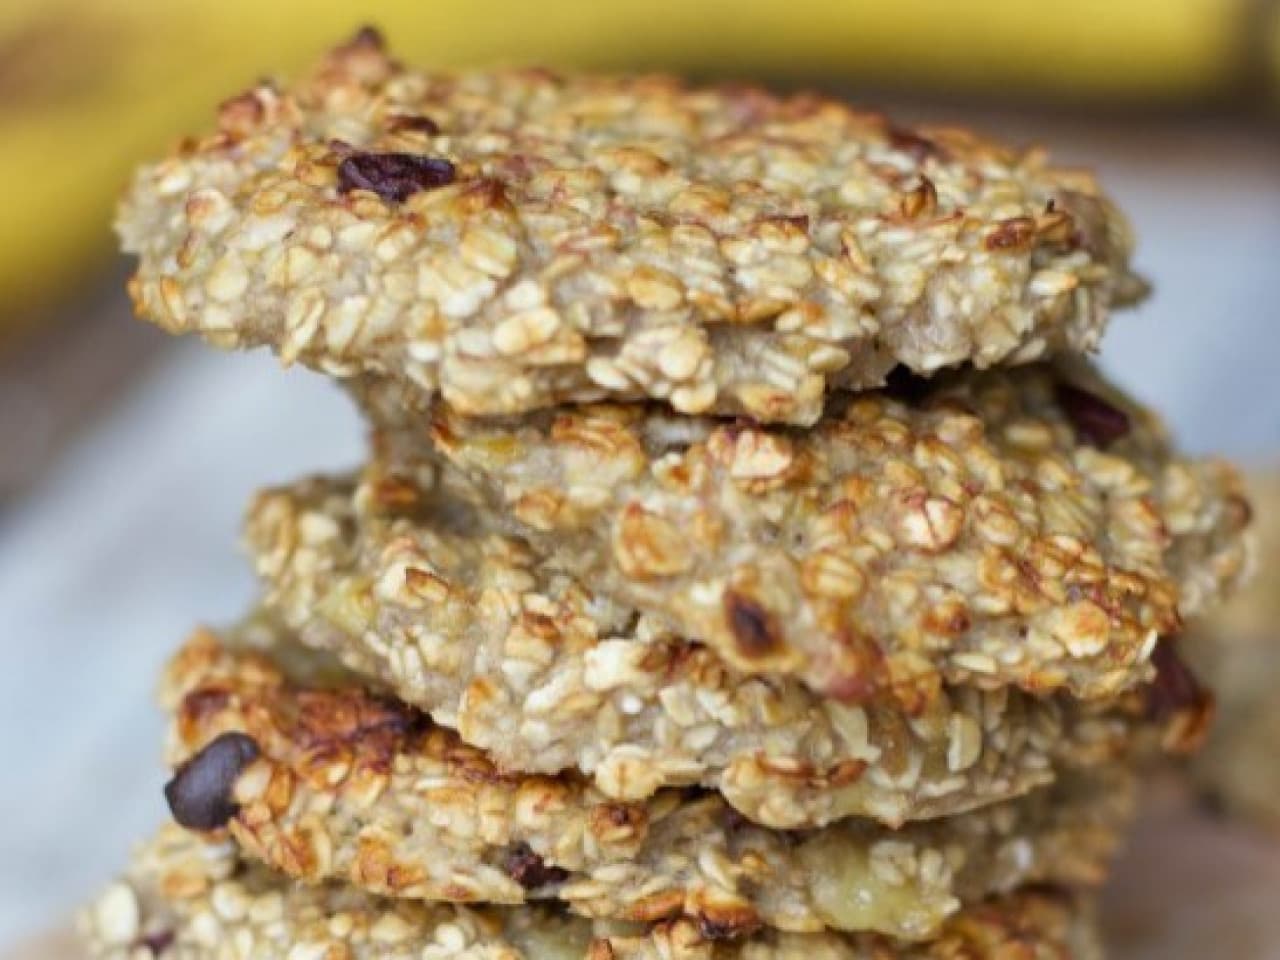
89 87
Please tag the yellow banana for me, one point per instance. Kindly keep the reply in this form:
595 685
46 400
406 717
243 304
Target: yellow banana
1273 48
88 88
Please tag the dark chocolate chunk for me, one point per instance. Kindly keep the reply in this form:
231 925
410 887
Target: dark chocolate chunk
529 870
1095 421
393 176
200 793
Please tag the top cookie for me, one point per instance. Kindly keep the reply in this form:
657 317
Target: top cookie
516 240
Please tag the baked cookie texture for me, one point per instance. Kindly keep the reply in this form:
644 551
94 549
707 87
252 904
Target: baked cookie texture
345 784
1029 527
516 240
474 628
748 563
195 897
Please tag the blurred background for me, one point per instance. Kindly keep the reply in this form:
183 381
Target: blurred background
125 459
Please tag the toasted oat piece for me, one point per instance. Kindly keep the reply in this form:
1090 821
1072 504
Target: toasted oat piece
195 898
526 664
1027 527
515 240
333 782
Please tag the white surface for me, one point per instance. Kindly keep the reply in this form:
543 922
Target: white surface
1205 349
131 543
133 539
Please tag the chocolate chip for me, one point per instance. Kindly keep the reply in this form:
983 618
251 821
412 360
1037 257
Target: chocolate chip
529 870
393 176
200 793
754 628
1095 421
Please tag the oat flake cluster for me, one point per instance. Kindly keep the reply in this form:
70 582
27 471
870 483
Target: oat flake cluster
746 564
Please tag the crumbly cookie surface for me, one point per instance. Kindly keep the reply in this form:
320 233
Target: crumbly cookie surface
1025 527
516 240
185 897
475 629
343 784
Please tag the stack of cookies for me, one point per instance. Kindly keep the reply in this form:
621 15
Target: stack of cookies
746 563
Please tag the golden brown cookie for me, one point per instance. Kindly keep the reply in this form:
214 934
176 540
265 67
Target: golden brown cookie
518 239
335 783
195 899
1029 527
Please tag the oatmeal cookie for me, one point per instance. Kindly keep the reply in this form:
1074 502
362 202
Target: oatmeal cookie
188 897
1024 528
1027 527
519 239
475 629
335 782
